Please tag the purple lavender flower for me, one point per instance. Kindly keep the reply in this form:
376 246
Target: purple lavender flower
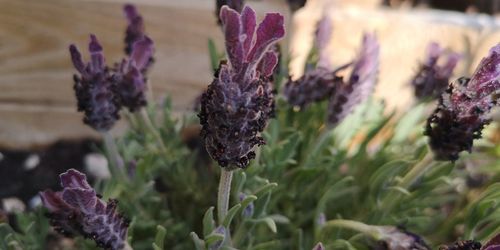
130 75
317 84
236 5
95 88
361 82
432 79
464 109
248 211
239 101
78 210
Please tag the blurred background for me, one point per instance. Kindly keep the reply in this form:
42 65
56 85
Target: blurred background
39 125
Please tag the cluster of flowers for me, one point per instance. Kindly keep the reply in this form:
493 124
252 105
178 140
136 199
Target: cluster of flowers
100 90
239 101
324 82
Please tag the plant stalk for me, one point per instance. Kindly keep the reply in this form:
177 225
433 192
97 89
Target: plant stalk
127 246
224 194
117 164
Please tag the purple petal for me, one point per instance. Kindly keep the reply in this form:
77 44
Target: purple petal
485 79
434 50
447 70
96 56
74 179
493 244
130 12
231 24
323 34
76 58
53 201
142 51
83 199
270 30
268 63
248 21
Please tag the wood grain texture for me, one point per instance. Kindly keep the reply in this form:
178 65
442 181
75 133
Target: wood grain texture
37 103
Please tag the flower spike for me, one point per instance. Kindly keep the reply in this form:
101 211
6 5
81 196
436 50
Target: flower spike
94 88
239 101
78 210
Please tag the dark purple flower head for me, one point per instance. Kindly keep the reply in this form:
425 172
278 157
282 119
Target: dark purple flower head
94 88
236 5
130 77
237 104
78 210
432 78
361 82
464 109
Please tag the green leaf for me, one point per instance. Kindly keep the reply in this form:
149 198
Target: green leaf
159 238
245 202
230 215
214 56
208 221
198 243
266 188
270 224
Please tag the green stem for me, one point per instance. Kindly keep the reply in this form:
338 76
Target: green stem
117 164
146 121
355 226
224 194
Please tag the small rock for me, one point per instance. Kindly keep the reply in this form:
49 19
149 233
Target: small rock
13 205
97 166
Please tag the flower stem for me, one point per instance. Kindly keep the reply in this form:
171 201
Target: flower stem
117 165
223 194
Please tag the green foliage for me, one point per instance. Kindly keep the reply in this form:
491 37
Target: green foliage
358 171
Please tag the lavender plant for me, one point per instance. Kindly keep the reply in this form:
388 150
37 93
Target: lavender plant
372 184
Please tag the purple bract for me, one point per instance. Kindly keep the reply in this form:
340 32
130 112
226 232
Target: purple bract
361 83
78 210
130 75
237 104
464 109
